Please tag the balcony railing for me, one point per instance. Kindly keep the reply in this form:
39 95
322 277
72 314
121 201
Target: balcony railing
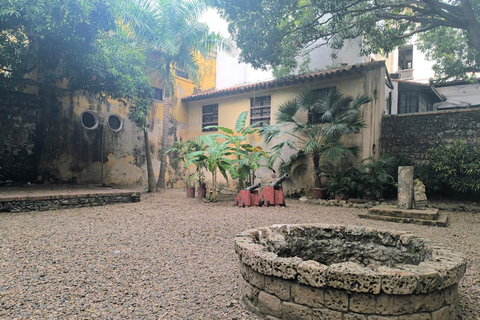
405 74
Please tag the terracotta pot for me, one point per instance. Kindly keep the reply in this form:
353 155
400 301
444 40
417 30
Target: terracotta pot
190 192
318 193
201 192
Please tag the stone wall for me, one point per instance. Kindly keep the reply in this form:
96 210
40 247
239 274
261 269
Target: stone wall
18 124
274 299
411 135
54 202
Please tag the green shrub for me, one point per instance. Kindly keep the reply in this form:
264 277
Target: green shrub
458 166
376 178
427 174
371 179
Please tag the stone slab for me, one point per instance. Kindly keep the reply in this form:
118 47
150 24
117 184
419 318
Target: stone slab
393 211
442 220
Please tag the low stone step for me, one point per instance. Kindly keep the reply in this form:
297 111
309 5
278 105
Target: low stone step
393 211
441 221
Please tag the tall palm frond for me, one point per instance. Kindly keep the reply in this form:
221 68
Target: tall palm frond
317 135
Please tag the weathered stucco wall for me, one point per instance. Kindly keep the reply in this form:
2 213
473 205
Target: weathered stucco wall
47 141
18 125
92 155
411 135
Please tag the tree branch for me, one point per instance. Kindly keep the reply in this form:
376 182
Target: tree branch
409 34
419 19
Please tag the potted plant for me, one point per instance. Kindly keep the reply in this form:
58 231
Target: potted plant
314 124
189 185
202 186
335 187
217 158
181 150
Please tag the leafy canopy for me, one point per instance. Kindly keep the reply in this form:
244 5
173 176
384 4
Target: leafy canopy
44 42
274 32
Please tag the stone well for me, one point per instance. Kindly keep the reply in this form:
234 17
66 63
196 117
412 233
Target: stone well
317 271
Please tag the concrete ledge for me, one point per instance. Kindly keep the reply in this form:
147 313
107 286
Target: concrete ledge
441 221
393 211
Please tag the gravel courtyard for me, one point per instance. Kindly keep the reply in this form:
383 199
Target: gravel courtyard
165 258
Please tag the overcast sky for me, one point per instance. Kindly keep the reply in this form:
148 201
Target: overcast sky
215 22
229 71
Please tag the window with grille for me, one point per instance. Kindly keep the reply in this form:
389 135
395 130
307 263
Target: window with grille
260 110
320 93
157 93
209 117
408 102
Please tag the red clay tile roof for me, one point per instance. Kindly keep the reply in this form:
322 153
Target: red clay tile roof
308 77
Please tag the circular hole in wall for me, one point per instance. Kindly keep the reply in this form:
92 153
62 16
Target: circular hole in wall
115 123
89 120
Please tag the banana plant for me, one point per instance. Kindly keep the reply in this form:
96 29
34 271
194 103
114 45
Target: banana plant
217 157
247 157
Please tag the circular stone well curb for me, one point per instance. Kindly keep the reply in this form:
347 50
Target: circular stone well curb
319 271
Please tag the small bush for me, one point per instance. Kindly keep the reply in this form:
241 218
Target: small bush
457 166
431 180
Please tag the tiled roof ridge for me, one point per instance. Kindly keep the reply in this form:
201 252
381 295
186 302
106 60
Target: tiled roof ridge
359 67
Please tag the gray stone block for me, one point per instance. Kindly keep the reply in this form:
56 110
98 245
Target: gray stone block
269 304
312 297
292 311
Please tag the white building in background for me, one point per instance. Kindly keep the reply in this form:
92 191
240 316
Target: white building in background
229 71
408 67
412 92
408 63
324 57
232 73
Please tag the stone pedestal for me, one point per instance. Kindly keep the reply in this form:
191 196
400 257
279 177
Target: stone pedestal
405 187
420 195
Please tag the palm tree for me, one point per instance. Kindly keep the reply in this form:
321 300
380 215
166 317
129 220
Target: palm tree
138 114
172 37
316 121
173 43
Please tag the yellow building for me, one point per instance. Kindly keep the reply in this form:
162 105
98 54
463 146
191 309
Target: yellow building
85 140
222 107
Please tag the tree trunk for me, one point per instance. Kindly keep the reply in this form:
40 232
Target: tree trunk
148 156
240 184
214 184
316 165
472 25
163 155
166 113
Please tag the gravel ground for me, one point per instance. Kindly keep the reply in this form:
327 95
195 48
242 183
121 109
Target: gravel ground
165 258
